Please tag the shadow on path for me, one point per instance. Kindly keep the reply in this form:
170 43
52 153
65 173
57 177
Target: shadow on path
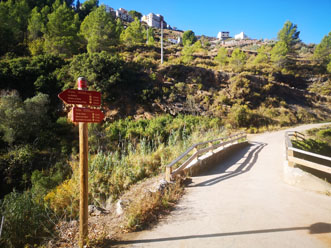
249 154
316 228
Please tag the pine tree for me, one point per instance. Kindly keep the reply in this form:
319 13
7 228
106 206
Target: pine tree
279 54
289 35
150 40
187 54
6 33
134 34
222 56
13 26
119 27
323 50
328 67
86 8
36 25
262 56
189 37
99 29
61 36
237 60
135 14
35 32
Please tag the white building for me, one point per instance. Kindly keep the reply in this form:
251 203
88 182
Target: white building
174 41
241 36
124 15
223 35
153 20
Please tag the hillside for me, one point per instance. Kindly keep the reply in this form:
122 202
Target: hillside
200 87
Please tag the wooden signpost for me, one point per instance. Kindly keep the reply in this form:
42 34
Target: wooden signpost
83 115
86 115
71 96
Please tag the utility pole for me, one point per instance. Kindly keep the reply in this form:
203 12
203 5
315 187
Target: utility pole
162 40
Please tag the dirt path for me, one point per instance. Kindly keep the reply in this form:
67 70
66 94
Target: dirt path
244 202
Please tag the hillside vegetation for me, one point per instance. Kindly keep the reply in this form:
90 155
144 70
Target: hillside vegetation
319 141
153 111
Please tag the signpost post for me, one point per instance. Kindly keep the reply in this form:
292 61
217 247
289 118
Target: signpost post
83 115
83 169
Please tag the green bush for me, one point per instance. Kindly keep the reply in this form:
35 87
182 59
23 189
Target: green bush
45 180
239 116
127 151
31 75
115 136
26 222
23 121
312 145
323 134
102 70
17 165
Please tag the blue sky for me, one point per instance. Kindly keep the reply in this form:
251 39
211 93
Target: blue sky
257 18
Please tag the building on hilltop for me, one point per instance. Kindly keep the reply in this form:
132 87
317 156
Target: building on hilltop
123 15
110 10
154 20
223 35
241 36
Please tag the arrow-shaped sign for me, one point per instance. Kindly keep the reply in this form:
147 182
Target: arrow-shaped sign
71 96
86 115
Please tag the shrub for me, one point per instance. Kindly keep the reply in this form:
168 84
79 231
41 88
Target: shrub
137 149
146 209
222 56
239 116
17 165
187 54
325 134
312 145
64 199
22 122
180 87
36 47
237 60
102 70
22 73
46 180
26 222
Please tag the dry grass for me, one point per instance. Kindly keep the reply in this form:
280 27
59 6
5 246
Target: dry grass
146 208
144 205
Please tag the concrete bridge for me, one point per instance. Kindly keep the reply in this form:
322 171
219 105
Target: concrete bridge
243 201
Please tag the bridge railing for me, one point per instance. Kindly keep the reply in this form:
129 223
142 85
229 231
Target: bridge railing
294 155
211 146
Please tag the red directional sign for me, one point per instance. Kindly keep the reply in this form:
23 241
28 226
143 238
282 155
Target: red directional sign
71 96
86 115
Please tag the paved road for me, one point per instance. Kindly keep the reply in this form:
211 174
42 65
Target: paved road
244 202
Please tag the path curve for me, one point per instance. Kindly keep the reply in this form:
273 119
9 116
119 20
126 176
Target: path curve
244 202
